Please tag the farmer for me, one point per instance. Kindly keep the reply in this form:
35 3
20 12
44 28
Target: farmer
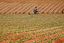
35 11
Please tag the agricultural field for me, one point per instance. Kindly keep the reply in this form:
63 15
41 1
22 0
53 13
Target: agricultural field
43 6
19 24
34 28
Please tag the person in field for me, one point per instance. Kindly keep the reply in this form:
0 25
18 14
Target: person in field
35 11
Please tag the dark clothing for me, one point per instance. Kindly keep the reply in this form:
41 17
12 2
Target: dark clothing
62 11
35 11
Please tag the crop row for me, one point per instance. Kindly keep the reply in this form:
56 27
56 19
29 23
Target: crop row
25 37
49 7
